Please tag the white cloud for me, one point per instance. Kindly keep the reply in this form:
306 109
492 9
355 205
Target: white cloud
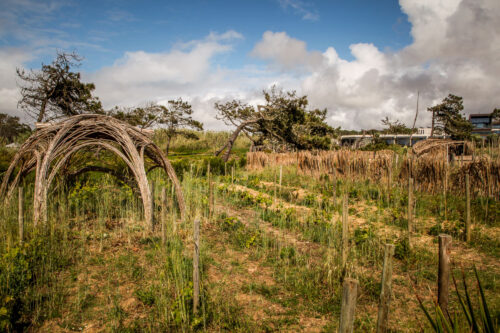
455 50
285 52
186 71
10 59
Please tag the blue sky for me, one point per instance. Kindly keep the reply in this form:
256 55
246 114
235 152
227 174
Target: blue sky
103 30
362 60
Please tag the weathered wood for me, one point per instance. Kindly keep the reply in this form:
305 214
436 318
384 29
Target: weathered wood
21 215
281 175
153 206
345 229
48 150
385 294
274 187
467 208
444 271
210 193
163 213
410 211
348 308
389 182
196 265
172 212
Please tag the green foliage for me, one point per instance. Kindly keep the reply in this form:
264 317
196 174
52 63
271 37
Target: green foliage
363 235
449 120
20 270
230 224
56 91
283 120
6 156
10 128
402 249
395 127
477 318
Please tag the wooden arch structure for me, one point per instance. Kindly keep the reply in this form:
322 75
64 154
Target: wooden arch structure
51 147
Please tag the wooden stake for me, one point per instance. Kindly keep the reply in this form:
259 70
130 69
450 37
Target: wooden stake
281 175
163 213
410 210
152 205
275 185
389 182
348 309
210 194
385 294
196 265
232 174
21 215
174 223
345 230
444 271
467 208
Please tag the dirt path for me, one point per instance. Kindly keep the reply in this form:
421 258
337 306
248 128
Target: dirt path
245 274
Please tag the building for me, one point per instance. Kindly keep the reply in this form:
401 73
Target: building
359 140
484 124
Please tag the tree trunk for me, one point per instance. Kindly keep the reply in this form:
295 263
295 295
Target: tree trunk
42 111
232 139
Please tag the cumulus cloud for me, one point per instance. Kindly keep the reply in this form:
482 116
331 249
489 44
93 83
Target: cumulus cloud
186 71
10 59
286 52
455 50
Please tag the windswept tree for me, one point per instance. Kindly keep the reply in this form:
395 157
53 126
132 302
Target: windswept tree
284 119
395 127
56 91
495 115
11 127
175 118
448 119
142 117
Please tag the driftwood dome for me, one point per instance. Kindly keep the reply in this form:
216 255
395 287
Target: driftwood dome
51 147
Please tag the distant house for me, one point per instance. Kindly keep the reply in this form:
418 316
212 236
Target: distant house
484 125
360 140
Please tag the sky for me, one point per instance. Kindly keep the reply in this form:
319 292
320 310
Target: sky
361 60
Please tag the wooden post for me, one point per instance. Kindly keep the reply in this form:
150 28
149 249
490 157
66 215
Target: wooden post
444 271
467 208
445 189
21 215
410 210
275 185
174 223
389 182
385 294
152 205
281 175
209 192
348 309
196 265
345 230
232 174
163 213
